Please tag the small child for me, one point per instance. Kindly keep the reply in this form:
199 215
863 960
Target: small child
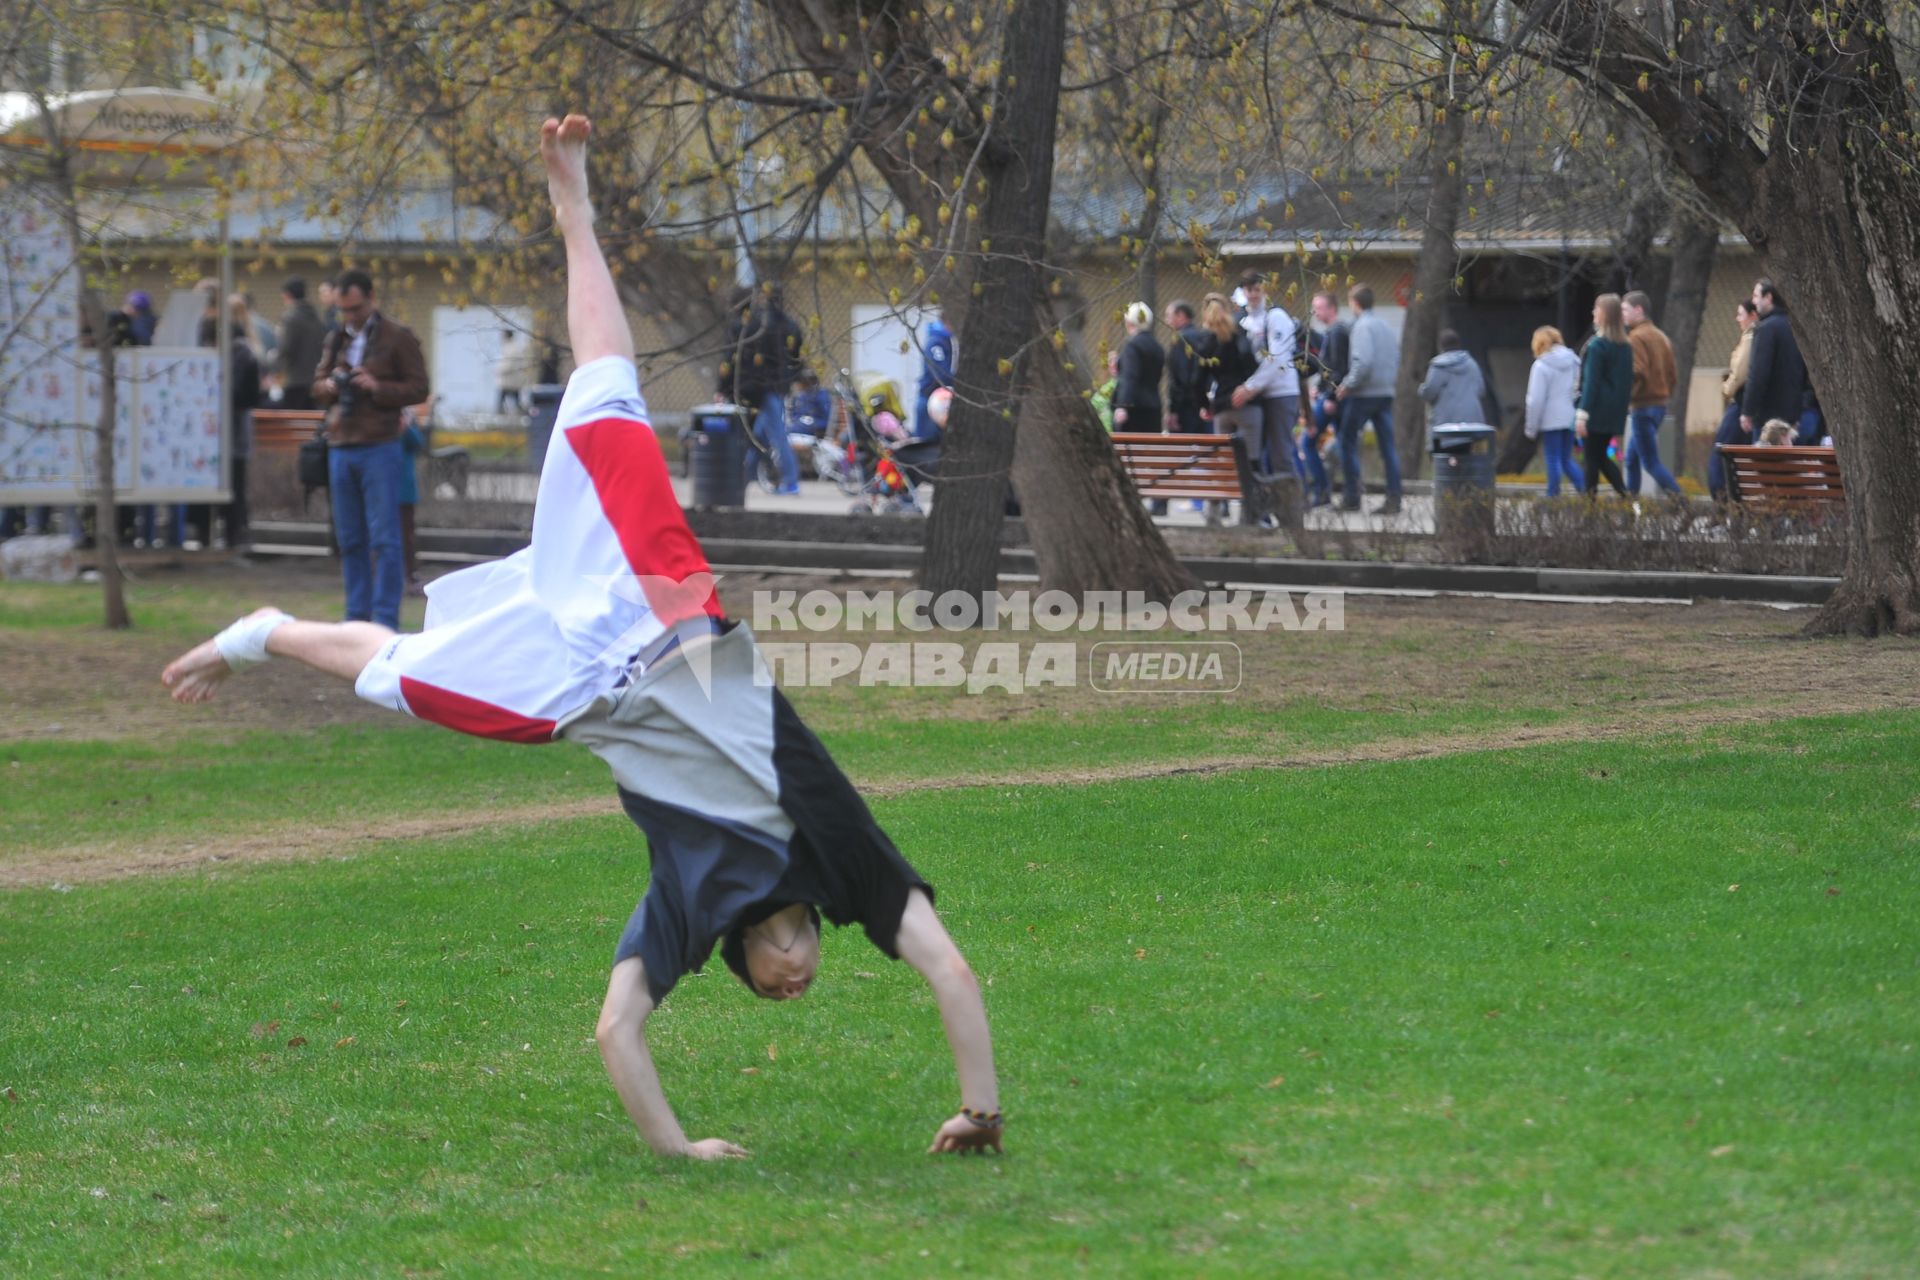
1777 432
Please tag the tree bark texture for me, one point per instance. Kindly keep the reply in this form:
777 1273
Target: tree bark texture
1694 247
1002 320
1433 275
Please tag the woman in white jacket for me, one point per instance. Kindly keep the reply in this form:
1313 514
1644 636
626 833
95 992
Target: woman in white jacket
1552 387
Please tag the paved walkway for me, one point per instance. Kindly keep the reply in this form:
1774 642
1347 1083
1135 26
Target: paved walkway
817 497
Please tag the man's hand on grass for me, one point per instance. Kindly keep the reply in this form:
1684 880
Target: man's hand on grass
715 1149
961 1136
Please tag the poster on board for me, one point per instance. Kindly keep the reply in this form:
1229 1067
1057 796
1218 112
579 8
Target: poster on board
168 445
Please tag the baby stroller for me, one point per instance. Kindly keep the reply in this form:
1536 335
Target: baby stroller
885 465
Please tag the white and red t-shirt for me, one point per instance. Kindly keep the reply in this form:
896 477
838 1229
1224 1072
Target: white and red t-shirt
514 647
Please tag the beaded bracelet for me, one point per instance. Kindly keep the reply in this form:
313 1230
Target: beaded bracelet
983 1119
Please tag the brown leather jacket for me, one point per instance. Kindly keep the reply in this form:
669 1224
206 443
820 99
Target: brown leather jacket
1654 373
393 358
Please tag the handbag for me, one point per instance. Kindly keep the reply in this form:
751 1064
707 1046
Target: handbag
313 463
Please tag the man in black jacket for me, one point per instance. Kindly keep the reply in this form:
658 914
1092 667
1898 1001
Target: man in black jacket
1776 375
1186 378
762 360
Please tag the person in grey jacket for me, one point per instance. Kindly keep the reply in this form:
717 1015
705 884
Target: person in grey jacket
301 335
1553 384
1366 395
1454 385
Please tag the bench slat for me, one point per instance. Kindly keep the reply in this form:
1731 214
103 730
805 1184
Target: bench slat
1800 475
1179 466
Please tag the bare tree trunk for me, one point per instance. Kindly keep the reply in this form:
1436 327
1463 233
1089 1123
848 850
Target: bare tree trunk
1633 250
1838 218
1146 276
1002 322
1064 466
106 517
1433 274
1696 242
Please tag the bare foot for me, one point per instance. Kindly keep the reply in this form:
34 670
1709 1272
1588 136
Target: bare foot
563 149
195 675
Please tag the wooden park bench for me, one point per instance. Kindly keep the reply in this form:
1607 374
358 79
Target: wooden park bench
285 430
1801 479
1212 468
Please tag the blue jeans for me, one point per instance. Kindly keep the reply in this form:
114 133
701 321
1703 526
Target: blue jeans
1355 413
1729 433
1643 450
770 425
1558 446
1326 418
364 484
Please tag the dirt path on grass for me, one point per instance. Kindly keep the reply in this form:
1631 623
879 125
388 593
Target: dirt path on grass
1605 671
339 841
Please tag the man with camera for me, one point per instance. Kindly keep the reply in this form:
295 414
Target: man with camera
370 369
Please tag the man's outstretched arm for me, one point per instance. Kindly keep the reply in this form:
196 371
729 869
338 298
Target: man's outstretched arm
596 322
340 649
622 1035
923 943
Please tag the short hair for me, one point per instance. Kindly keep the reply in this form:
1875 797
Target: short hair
1327 294
1449 340
1771 290
1746 305
295 288
1638 298
1182 307
1361 296
1777 432
1253 277
354 278
733 949
1545 339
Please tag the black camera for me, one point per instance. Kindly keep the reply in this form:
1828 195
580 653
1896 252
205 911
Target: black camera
342 380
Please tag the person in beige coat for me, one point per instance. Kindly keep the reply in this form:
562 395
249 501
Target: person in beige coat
1731 386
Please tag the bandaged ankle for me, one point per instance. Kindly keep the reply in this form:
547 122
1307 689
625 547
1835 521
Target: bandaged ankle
244 644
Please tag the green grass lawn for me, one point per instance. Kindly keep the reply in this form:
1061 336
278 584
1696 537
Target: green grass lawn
1618 1009
192 787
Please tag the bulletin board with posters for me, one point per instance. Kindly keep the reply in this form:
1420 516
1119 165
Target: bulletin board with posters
168 444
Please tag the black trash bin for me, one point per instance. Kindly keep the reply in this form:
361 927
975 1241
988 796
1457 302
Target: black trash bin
543 410
1462 479
718 449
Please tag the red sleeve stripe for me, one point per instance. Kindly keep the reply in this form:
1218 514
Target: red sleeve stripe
470 715
623 460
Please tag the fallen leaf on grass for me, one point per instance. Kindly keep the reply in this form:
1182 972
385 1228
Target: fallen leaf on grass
11 1095
344 1041
1733 888
749 1071
1140 953
261 1030
1274 1083
1717 1152
296 1042
773 1053
1833 891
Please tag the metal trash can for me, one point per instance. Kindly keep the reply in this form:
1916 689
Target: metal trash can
543 410
718 445
1462 478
